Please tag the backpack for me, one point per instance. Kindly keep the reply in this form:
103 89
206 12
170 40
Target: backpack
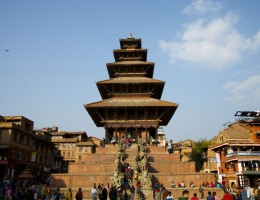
99 192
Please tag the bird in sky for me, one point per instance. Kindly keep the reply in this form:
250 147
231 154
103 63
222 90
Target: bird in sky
7 50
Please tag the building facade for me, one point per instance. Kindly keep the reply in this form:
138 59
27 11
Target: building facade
237 151
72 146
23 148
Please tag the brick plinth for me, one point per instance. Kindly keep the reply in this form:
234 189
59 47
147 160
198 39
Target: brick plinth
91 167
169 167
163 157
79 180
196 178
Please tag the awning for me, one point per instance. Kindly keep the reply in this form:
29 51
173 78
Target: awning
4 146
251 172
3 162
26 174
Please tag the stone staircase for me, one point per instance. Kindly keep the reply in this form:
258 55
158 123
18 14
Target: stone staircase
162 168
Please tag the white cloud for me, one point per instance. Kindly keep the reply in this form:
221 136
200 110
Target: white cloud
202 7
246 92
211 43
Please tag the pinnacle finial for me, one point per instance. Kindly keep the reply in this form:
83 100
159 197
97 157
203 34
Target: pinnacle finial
130 35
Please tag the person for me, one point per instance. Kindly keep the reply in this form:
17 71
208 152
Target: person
48 181
94 193
215 195
185 195
44 192
99 191
79 195
173 184
132 190
157 194
210 197
57 194
194 197
169 196
244 194
182 184
113 193
192 184
164 193
68 194
48 194
201 191
258 195
227 196
104 193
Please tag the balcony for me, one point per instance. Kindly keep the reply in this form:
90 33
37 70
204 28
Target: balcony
243 153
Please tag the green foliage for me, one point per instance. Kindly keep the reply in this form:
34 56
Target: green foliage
197 152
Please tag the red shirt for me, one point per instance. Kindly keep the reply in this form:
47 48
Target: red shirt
227 197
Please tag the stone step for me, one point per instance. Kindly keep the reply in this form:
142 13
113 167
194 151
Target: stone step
176 167
196 177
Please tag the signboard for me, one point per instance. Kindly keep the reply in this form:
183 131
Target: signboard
213 160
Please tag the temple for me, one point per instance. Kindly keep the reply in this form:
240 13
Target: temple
131 98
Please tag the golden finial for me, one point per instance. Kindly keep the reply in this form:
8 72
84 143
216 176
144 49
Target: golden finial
130 36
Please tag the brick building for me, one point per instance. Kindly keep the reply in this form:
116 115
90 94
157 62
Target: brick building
72 146
237 151
22 148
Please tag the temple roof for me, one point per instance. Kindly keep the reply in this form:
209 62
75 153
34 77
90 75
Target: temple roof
130 68
132 80
122 55
134 102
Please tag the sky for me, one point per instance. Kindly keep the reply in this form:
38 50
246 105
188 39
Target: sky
52 53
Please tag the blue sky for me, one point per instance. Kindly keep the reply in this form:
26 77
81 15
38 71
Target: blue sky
206 51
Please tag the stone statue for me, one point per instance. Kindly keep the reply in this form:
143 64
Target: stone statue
142 153
116 165
114 181
146 181
144 164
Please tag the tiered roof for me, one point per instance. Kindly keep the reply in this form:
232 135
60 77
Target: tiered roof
131 91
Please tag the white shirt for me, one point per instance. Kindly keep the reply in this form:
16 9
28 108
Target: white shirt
94 192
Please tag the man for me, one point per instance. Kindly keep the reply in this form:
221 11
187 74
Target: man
210 197
113 193
201 191
185 195
227 196
94 193
79 195
132 190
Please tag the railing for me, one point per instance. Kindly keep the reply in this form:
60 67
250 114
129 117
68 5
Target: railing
243 153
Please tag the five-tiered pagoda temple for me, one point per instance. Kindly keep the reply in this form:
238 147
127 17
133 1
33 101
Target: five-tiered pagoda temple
131 97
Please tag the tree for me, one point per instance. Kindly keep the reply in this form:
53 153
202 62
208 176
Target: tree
200 148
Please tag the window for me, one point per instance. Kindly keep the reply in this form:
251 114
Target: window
25 156
80 149
19 155
27 127
68 154
10 172
12 155
21 141
73 154
15 136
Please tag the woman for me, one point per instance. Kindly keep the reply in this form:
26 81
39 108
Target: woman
69 194
194 197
